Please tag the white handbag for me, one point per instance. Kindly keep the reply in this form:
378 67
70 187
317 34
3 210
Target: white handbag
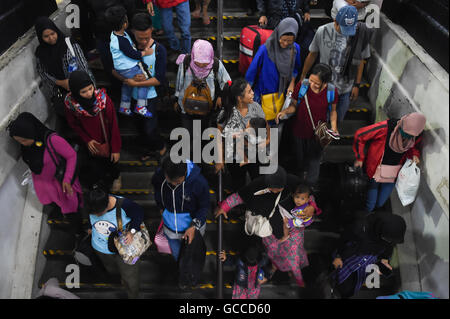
259 225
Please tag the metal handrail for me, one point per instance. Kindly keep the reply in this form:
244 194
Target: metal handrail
219 244
219 198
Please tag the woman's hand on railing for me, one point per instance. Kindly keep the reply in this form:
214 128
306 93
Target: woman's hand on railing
219 211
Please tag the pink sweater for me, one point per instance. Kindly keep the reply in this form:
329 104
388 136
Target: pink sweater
47 188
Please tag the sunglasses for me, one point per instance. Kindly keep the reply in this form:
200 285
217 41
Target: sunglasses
405 135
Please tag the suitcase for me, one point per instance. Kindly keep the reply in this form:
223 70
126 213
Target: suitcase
252 37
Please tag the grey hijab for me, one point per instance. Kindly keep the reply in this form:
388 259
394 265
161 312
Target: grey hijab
282 57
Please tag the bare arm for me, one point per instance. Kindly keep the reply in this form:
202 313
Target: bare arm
312 56
333 118
355 90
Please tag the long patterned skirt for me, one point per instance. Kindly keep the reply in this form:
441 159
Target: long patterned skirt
289 255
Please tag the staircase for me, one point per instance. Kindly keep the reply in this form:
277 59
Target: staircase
159 272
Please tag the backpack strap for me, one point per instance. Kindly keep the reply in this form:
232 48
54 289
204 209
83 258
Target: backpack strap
50 148
216 67
330 95
186 63
303 89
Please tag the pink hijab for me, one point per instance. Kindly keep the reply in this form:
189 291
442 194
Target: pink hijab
412 124
202 52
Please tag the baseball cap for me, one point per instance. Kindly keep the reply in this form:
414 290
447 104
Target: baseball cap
347 17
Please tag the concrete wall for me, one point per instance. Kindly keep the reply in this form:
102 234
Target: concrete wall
21 216
406 79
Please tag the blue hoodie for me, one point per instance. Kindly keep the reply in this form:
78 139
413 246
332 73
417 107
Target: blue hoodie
185 205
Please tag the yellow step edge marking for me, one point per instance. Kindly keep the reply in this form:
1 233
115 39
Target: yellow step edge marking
225 221
118 286
139 163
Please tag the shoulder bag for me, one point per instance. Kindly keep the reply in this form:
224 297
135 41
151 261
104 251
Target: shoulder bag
386 173
103 150
141 240
259 225
321 130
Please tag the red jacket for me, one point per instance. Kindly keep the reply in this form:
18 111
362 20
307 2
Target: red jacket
376 135
89 128
168 3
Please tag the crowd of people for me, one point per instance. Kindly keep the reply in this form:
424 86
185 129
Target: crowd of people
81 168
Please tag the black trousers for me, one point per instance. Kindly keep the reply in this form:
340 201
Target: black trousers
239 174
192 260
95 170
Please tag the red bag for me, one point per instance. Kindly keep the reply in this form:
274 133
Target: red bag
252 37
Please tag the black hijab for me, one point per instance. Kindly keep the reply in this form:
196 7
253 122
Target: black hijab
78 80
26 125
51 56
379 232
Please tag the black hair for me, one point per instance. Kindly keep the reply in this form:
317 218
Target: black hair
96 199
142 21
251 251
302 189
229 97
259 123
323 71
116 16
173 170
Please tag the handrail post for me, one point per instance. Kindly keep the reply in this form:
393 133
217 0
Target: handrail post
220 29
219 244
219 285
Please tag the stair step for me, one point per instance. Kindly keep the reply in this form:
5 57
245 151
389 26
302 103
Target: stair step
339 154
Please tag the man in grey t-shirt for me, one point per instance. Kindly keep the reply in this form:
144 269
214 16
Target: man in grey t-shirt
333 43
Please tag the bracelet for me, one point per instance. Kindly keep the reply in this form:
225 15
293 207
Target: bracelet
356 85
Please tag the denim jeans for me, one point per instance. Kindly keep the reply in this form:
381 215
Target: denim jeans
184 22
378 194
175 247
343 105
128 90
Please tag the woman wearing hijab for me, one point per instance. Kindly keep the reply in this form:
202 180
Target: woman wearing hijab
91 113
41 148
55 61
260 197
370 240
390 143
200 65
277 62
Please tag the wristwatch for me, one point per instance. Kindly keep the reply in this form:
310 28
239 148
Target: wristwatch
356 85
133 231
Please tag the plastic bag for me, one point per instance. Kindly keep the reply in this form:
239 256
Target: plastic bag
408 182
